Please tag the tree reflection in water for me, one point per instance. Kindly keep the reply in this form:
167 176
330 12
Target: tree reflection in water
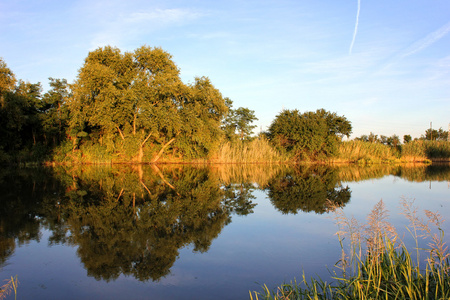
26 203
307 189
133 220
136 227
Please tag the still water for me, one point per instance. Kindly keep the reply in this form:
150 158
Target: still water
185 232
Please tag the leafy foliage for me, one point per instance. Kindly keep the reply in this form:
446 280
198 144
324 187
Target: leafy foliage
140 99
308 135
435 135
237 124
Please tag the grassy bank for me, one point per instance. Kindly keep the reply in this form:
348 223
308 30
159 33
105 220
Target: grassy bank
259 150
419 151
378 265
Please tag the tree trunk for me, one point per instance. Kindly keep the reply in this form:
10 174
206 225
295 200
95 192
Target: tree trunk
141 154
162 150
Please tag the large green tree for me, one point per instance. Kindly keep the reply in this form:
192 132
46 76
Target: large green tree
308 135
139 97
20 123
7 80
54 112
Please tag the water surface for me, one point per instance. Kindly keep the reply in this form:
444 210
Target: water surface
184 232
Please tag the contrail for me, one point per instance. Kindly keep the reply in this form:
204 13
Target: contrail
420 45
427 41
356 28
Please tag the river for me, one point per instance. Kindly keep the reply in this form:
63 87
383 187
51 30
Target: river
193 232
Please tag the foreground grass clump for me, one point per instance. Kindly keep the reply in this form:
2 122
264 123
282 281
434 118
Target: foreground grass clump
378 264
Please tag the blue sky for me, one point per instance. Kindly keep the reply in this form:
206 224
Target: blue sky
384 65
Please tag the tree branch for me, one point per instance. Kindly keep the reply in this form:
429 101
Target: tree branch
121 133
162 150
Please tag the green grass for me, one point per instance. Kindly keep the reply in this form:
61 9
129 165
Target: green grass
378 264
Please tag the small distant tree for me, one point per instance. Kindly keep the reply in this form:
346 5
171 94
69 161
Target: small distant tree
362 138
407 138
435 135
393 141
20 110
238 122
373 138
7 80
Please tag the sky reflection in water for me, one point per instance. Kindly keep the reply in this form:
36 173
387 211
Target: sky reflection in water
191 233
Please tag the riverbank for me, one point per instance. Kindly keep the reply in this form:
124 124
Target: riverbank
257 151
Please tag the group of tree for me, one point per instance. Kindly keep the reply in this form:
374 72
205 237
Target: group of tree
435 135
133 106
130 104
28 119
394 140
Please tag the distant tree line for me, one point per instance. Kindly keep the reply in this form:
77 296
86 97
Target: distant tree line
133 107
394 140
123 106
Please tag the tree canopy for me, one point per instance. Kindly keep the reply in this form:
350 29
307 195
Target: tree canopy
238 122
310 134
140 97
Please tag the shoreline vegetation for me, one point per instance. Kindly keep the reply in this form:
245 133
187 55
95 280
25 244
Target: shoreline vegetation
260 151
132 107
375 262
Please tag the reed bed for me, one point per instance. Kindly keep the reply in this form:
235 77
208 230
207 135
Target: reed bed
365 153
376 264
355 172
434 150
257 151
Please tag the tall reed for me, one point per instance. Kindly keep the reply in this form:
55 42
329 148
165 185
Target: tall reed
377 263
257 151
365 152
419 150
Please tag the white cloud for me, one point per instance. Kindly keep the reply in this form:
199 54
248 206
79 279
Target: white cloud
116 26
165 16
